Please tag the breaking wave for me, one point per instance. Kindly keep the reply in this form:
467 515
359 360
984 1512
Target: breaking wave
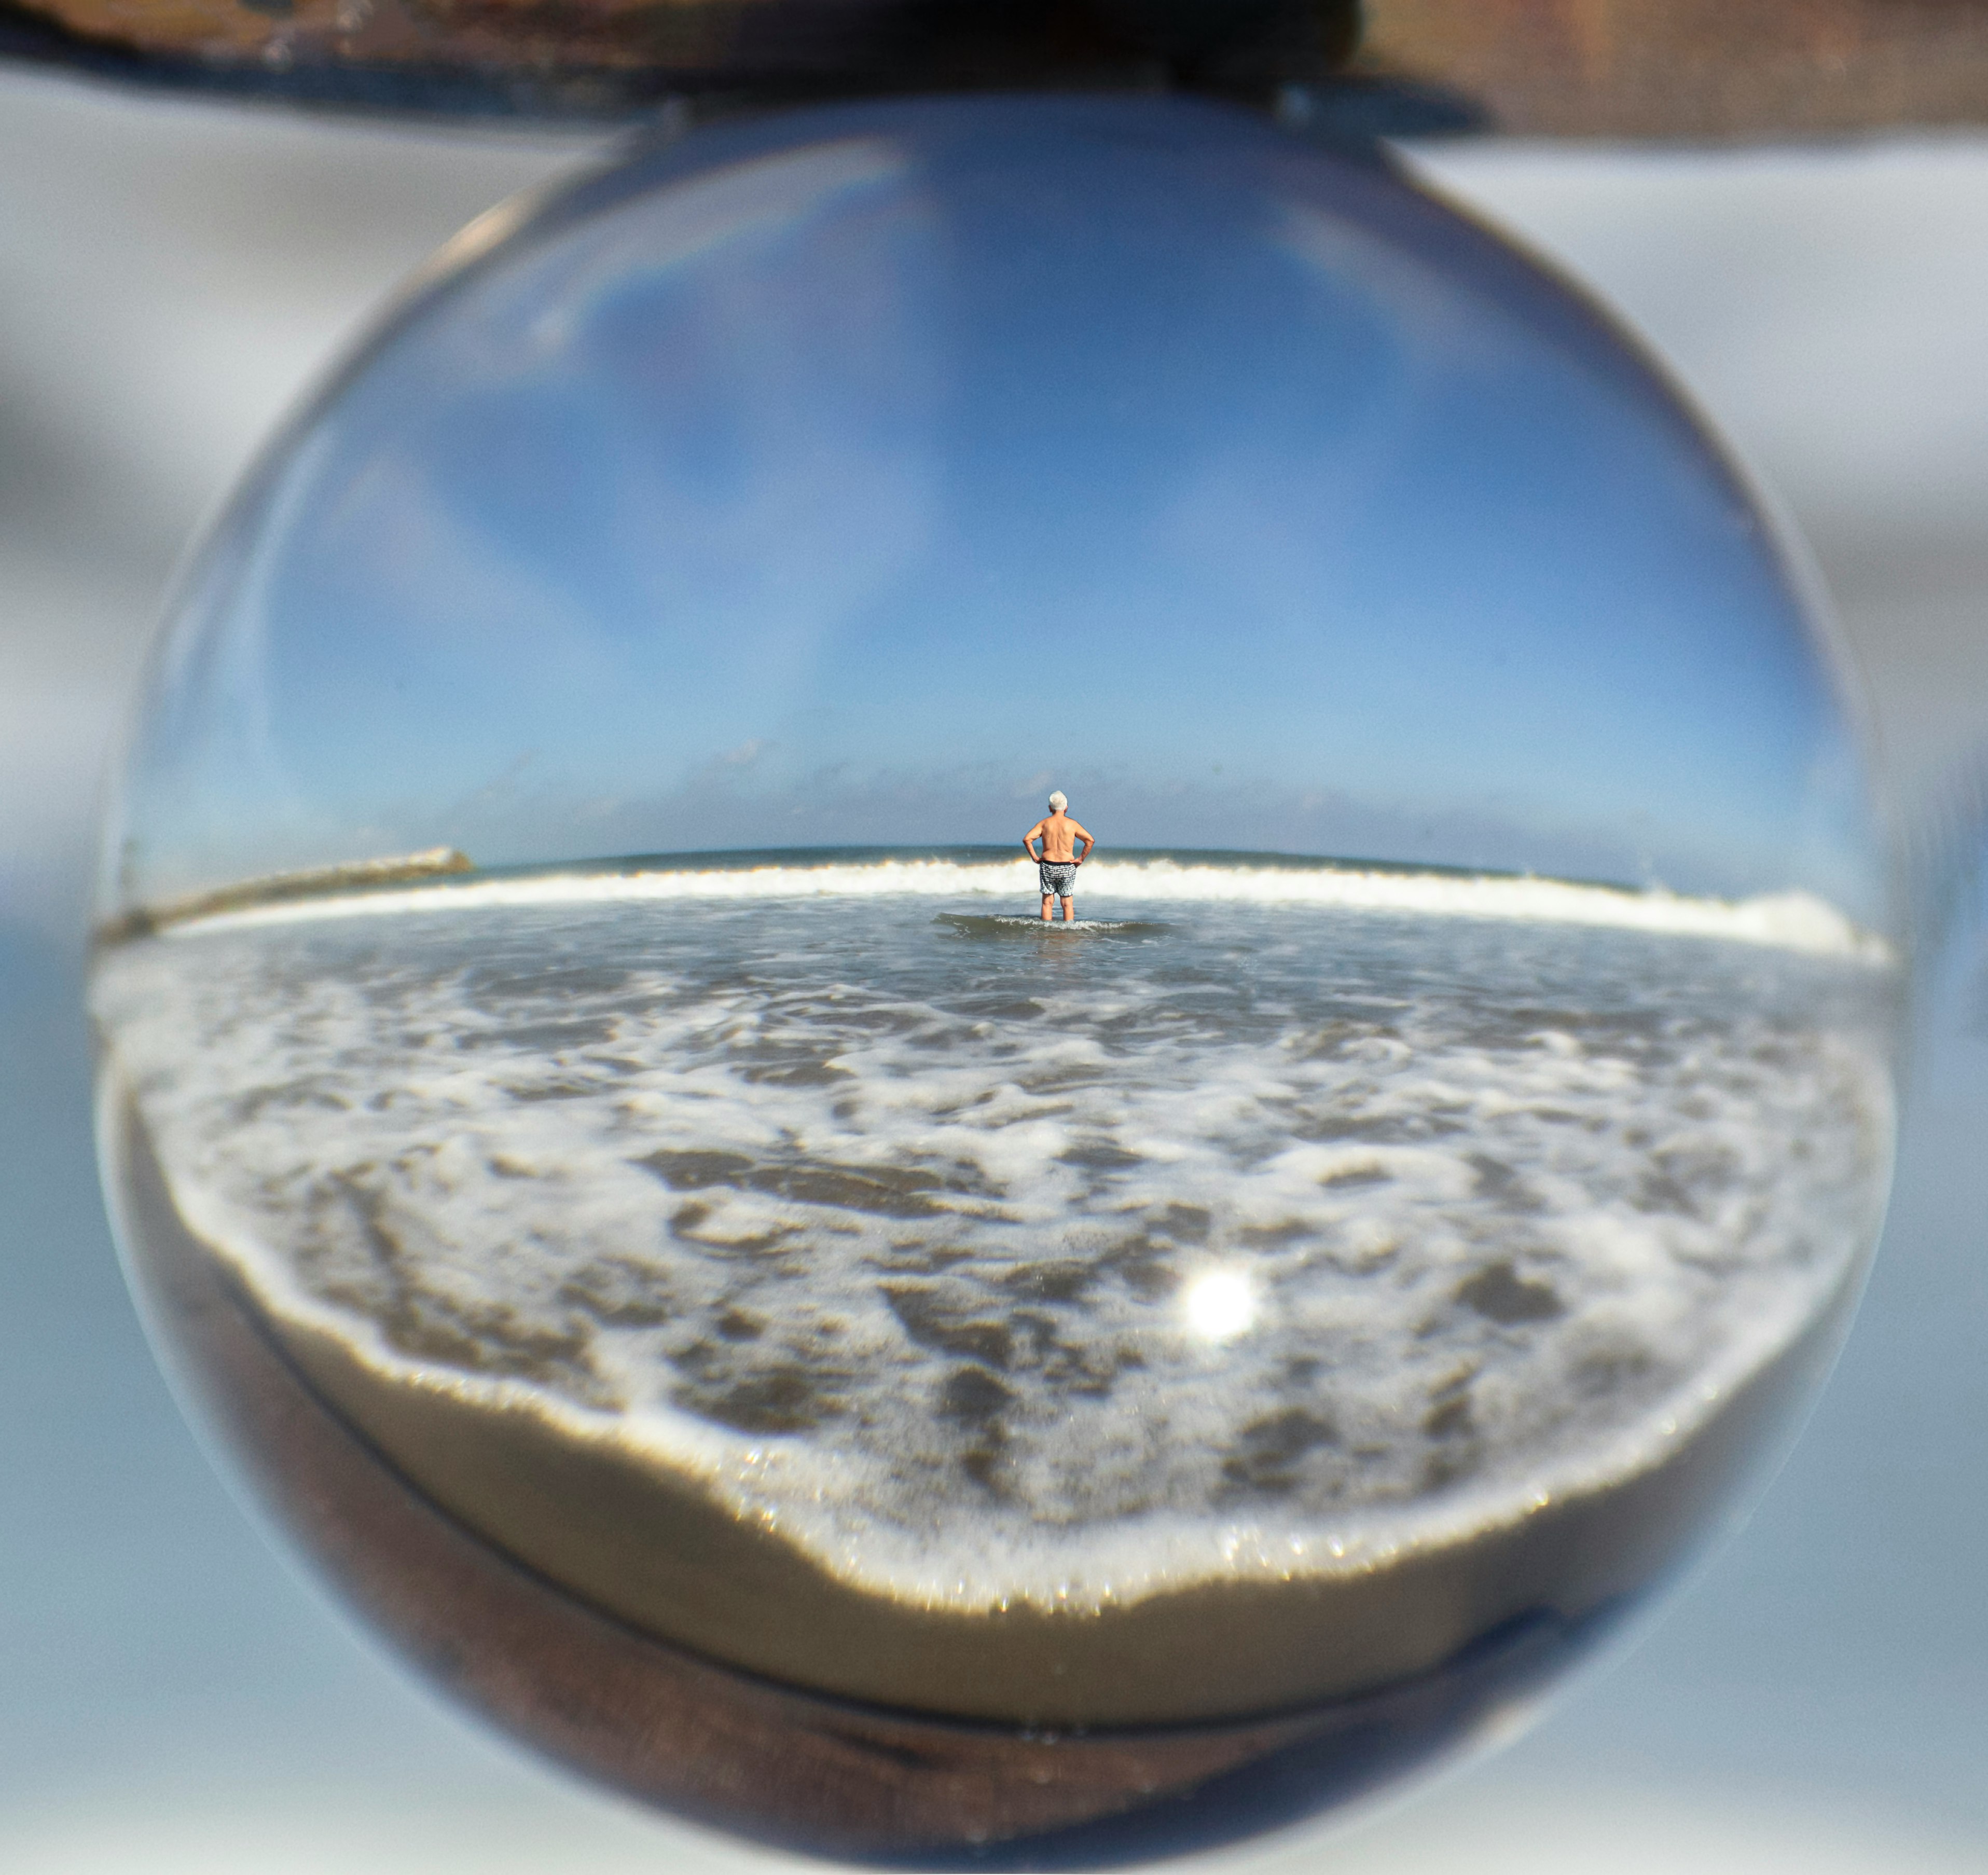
1795 921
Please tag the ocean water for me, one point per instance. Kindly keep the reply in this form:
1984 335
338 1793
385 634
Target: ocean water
1265 1222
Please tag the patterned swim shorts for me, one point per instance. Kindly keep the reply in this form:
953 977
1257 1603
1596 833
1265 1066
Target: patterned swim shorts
1056 879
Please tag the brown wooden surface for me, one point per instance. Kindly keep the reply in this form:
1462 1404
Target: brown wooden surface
1691 69
690 37
567 54
1671 68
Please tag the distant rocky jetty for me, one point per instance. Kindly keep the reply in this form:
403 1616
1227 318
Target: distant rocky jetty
270 888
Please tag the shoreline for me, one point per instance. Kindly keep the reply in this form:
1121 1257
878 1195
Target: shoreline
313 883
662 1555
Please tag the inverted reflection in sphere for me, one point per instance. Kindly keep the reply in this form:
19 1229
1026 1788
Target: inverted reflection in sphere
598 1117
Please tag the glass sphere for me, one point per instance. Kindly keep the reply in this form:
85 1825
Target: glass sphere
865 1302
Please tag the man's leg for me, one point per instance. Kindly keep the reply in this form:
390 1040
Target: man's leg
1068 909
1046 897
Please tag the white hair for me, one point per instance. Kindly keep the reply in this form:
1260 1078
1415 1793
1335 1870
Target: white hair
1059 801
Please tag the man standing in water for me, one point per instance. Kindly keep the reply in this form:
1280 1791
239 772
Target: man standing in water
1060 856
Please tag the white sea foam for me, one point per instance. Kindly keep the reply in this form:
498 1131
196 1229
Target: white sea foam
1797 921
1060 1272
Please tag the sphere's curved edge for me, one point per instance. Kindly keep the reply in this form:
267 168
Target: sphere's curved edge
814 1774
601 1572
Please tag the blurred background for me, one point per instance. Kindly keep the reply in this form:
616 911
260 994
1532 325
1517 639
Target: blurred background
173 1696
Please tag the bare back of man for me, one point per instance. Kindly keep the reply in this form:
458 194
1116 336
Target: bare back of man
1065 846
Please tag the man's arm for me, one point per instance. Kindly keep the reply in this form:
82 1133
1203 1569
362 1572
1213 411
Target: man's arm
1089 840
1029 838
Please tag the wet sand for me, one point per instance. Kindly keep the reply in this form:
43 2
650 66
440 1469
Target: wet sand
656 1554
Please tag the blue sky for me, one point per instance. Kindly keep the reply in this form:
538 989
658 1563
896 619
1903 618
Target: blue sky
854 480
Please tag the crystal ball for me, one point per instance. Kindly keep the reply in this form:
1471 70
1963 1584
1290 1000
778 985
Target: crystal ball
995 981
